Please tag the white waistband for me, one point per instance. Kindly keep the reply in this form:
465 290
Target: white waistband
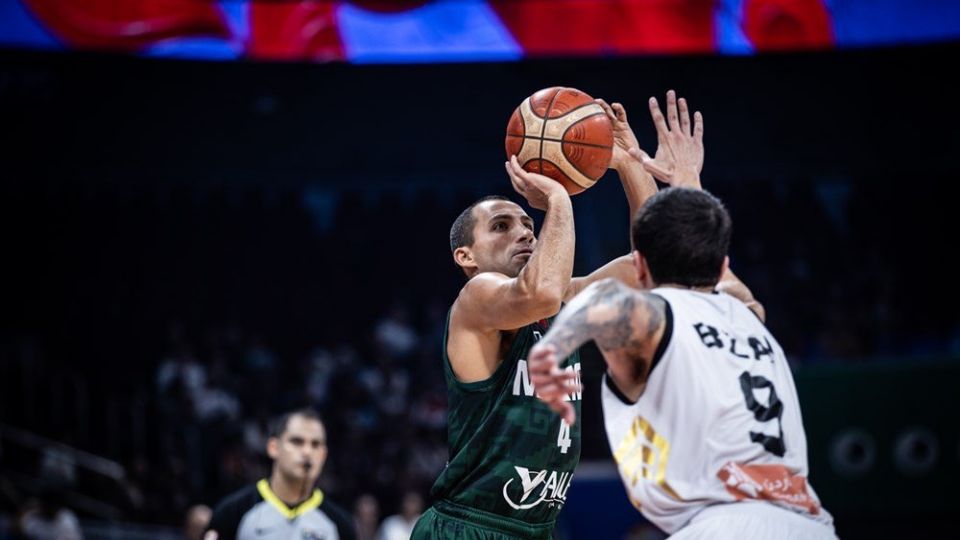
758 509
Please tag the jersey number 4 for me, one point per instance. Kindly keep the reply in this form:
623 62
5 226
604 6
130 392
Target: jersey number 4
772 411
563 438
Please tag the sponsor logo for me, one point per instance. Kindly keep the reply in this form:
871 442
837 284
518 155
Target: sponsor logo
536 487
774 483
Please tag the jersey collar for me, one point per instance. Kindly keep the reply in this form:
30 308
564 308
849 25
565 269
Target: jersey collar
263 486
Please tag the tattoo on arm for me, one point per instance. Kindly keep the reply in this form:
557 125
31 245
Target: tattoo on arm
617 317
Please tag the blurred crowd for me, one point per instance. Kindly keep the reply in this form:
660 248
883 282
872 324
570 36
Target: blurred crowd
173 377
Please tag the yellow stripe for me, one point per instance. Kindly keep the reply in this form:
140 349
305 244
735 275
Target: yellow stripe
268 495
637 460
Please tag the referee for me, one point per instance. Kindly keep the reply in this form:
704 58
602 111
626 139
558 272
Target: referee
286 506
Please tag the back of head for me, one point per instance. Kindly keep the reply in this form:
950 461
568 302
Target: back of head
684 235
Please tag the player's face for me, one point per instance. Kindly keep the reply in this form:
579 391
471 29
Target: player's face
503 238
302 449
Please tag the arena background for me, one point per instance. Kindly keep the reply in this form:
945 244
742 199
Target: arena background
191 246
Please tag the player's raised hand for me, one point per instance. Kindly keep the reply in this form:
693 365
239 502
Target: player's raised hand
623 136
552 384
679 157
535 188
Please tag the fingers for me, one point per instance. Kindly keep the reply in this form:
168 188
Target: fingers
553 384
569 414
658 120
672 118
621 112
698 127
684 117
565 410
518 184
607 109
550 386
542 357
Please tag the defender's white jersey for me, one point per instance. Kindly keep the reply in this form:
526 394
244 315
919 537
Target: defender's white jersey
718 421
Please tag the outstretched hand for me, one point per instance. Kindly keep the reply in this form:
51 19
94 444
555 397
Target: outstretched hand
679 157
623 136
551 383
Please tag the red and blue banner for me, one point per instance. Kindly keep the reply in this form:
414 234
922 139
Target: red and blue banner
399 31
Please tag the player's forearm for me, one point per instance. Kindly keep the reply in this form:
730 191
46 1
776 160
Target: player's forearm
617 317
686 177
621 269
547 274
638 185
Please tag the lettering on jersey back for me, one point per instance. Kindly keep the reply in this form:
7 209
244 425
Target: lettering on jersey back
759 347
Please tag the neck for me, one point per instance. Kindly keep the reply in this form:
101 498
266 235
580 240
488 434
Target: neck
289 491
676 286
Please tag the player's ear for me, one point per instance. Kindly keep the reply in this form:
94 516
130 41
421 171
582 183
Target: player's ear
640 266
273 447
463 256
725 266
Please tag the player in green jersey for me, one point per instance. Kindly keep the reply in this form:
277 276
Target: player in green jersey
511 460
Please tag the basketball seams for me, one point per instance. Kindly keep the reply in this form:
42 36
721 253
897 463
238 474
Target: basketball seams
546 118
564 134
557 146
550 139
573 110
557 150
573 163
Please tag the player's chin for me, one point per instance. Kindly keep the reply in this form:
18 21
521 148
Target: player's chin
519 261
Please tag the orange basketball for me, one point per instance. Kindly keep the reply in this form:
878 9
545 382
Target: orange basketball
561 133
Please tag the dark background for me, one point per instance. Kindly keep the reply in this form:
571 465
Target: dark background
145 204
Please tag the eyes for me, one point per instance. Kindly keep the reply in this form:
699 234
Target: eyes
298 441
503 226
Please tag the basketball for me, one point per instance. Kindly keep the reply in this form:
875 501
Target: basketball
563 134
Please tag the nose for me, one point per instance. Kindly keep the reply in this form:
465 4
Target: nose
526 235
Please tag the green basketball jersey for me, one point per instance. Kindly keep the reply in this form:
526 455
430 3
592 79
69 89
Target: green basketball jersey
510 455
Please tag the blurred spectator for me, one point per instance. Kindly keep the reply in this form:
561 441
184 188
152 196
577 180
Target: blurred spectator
256 432
48 519
58 465
395 334
196 521
180 367
366 514
400 526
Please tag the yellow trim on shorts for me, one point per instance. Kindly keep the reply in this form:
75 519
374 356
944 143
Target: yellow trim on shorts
268 495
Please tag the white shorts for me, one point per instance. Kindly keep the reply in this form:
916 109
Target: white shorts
748 520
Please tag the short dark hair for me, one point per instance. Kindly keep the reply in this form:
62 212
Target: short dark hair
461 233
684 234
279 424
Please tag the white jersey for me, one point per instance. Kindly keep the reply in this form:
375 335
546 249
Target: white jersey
718 421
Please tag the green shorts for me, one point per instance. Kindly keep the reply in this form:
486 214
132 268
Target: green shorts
446 520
